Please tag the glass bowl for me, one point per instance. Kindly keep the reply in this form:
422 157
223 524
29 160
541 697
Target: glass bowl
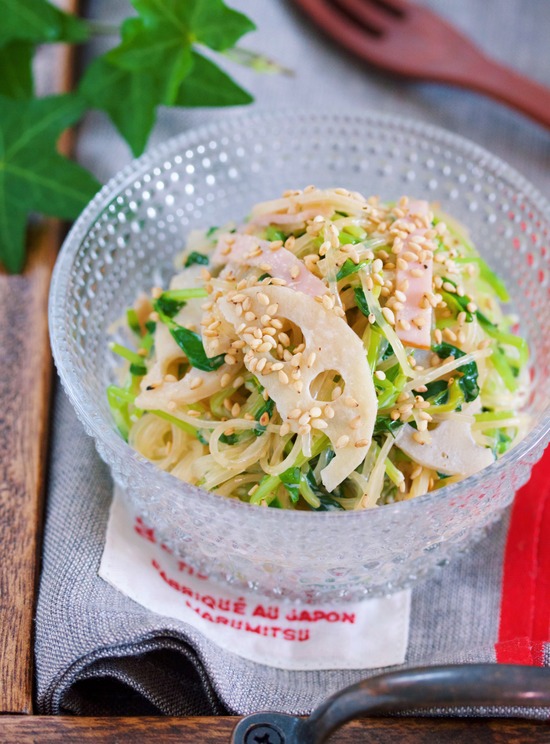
125 241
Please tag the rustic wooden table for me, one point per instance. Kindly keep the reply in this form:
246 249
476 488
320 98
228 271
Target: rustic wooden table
24 406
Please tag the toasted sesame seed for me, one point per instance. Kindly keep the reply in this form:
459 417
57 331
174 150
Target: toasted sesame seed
265 346
403 324
448 287
319 424
400 296
419 321
263 298
438 336
417 273
261 364
417 470
284 339
304 418
402 264
156 292
471 307
350 402
342 441
285 428
279 282
298 386
283 377
362 443
328 411
395 414
235 409
311 359
295 271
272 309
418 437
484 344
388 315
449 335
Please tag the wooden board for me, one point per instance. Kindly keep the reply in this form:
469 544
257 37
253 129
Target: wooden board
24 404
25 730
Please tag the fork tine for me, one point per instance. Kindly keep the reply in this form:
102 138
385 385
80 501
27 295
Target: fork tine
371 17
341 28
396 7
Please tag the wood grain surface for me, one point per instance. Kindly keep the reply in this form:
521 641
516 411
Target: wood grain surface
218 731
24 404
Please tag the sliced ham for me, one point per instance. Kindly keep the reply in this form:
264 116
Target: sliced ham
243 249
413 312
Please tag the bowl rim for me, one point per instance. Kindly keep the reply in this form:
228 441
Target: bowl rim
111 439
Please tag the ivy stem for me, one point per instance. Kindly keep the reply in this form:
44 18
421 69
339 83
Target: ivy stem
97 28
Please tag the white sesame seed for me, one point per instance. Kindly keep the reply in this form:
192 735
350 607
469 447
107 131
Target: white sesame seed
388 315
319 424
380 375
350 402
336 393
342 441
283 377
311 359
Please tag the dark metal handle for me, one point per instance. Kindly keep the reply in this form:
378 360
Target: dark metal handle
410 690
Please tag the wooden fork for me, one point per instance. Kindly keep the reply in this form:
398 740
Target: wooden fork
414 42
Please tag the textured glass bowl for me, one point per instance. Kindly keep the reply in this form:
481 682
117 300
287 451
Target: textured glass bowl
125 242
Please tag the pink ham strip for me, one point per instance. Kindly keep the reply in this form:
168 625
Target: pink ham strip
237 248
419 286
412 309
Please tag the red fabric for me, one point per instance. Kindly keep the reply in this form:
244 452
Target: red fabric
525 602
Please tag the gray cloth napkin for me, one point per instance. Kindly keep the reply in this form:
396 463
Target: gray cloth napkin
98 652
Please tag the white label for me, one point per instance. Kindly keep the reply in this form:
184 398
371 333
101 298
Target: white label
369 634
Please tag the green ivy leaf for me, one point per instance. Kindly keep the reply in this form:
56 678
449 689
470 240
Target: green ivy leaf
207 85
16 66
34 177
39 21
130 99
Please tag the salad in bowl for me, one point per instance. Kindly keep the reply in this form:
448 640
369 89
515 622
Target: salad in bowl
332 352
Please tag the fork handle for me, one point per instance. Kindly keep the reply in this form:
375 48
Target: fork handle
512 88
